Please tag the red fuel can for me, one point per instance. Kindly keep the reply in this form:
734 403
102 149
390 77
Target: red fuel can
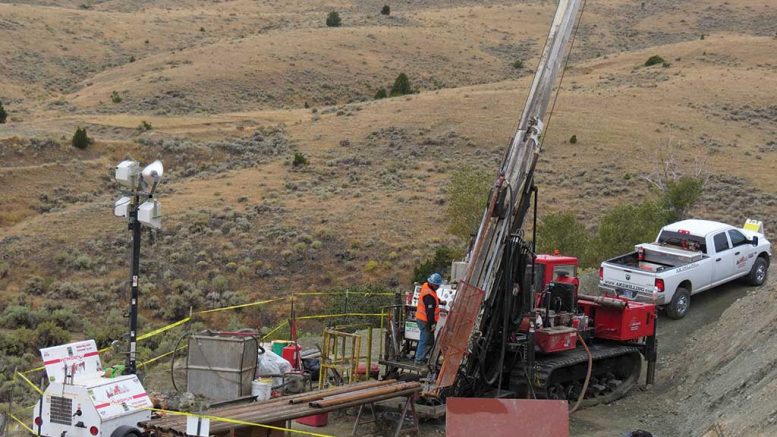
290 353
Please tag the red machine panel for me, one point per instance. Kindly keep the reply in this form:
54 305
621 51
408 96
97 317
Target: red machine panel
635 320
557 339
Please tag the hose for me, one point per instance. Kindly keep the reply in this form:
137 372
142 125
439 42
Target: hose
587 375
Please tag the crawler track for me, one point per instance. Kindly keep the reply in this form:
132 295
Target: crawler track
616 370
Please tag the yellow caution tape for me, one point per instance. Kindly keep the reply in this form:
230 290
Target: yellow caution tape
161 356
327 316
238 422
163 329
35 387
274 330
21 423
261 302
343 293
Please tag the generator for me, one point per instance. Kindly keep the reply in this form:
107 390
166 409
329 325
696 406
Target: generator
80 401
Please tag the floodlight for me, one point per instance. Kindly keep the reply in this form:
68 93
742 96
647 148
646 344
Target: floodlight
127 173
153 172
150 213
121 207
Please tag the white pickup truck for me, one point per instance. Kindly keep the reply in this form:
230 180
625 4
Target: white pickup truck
688 257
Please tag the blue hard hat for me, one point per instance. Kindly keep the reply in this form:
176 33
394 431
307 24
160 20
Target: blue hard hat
435 279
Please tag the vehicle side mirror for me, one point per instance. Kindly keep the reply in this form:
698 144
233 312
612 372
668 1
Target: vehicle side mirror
754 241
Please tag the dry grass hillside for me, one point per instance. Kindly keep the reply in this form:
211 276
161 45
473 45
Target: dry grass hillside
231 90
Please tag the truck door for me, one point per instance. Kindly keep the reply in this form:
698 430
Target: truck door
725 261
742 251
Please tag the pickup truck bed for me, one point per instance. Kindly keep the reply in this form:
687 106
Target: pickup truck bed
687 257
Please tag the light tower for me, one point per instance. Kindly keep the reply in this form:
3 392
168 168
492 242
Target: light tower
139 186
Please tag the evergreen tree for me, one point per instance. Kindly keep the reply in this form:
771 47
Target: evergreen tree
333 19
3 114
80 139
401 86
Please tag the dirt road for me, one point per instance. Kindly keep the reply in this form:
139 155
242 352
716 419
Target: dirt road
654 409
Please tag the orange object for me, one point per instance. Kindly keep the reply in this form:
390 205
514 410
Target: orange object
420 313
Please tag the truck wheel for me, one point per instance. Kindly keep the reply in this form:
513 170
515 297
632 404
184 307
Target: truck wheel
759 272
126 431
680 304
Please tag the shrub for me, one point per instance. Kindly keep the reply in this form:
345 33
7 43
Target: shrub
385 10
333 19
35 286
467 196
371 266
66 319
299 160
381 94
401 86
144 126
563 232
80 139
679 196
626 225
440 263
18 316
518 64
219 283
132 58
654 60
115 97
3 114
50 334
573 139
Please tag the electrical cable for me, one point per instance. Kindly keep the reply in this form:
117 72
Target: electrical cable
587 375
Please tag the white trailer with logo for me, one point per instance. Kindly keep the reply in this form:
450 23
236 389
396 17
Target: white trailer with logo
81 402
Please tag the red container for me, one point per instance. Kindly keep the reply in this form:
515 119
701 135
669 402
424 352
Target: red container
362 367
636 320
316 420
290 353
557 339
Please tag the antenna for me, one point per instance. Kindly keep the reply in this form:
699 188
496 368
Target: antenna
139 185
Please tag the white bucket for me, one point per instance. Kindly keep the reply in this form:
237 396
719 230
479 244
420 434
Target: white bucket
261 389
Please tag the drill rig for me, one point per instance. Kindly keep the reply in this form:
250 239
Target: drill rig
507 332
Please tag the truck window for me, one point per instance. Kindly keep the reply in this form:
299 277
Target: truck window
683 241
721 242
568 270
737 239
539 274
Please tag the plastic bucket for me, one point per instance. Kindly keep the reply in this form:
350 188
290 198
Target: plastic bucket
261 389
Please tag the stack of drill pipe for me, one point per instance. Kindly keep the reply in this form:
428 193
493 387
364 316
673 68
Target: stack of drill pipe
366 393
291 407
321 394
604 301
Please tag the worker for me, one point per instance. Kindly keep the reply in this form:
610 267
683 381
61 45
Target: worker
427 315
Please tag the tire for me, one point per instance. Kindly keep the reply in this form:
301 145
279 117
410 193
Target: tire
126 431
759 272
680 304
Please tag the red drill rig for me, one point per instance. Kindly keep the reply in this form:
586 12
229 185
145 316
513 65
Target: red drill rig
515 325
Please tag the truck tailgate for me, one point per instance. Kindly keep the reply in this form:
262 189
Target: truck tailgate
626 280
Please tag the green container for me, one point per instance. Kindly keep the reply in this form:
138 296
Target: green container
278 345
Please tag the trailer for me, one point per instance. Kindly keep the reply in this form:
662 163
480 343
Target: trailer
83 400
